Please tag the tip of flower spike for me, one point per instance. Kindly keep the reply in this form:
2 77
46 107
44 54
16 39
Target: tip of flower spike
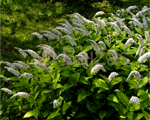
116 90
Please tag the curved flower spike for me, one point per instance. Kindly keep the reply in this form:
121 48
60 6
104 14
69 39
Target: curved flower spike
26 75
136 75
7 90
96 68
140 39
112 75
129 41
9 64
37 35
21 94
114 54
102 44
99 13
147 36
16 73
65 58
95 45
144 57
73 43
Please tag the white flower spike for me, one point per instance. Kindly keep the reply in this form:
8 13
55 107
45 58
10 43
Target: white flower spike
21 94
136 75
7 90
144 57
147 36
26 75
129 41
16 73
112 75
96 68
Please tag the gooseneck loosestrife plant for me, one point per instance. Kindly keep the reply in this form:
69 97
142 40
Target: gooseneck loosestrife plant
85 69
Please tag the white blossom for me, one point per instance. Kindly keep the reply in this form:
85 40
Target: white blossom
56 32
4 79
68 24
140 39
26 75
64 30
147 36
65 58
143 49
136 75
131 7
137 23
39 64
7 90
118 12
18 66
84 54
129 41
83 57
37 35
144 57
112 75
16 73
99 13
127 30
23 64
110 19
100 22
114 54
115 26
81 31
9 64
96 68
95 45
31 52
50 35
73 43
21 94
56 103
22 52
102 44
108 39
145 23
134 99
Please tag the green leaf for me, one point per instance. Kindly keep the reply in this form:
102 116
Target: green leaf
143 82
82 94
45 91
116 81
65 73
66 106
89 107
84 80
41 99
87 48
137 116
146 115
102 114
57 78
36 94
13 78
28 114
122 46
35 112
76 76
56 86
81 114
54 114
113 98
122 98
65 87
138 30
132 84
100 83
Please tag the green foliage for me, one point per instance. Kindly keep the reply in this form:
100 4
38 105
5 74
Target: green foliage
88 80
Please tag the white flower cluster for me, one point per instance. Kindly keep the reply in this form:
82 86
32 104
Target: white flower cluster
115 26
9 64
37 35
31 52
21 51
56 103
39 64
21 94
96 68
129 41
102 45
137 23
56 32
95 45
7 90
18 66
66 59
140 39
73 43
136 75
48 50
128 31
134 99
99 13
26 75
23 64
147 36
50 35
144 57
100 22
112 75
114 54
16 73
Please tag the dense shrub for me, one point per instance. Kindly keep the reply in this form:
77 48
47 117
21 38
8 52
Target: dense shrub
95 69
